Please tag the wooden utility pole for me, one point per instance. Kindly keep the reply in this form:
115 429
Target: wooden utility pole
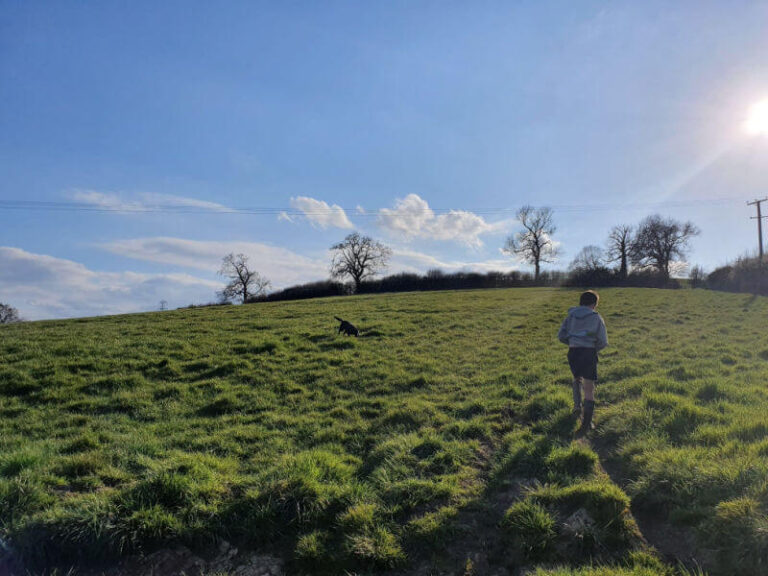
759 219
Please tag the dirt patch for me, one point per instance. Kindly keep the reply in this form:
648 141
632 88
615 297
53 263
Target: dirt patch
181 561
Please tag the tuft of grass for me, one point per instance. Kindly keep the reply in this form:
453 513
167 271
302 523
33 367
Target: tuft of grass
20 497
573 461
378 548
312 550
14 382
739 533
531 528
224 404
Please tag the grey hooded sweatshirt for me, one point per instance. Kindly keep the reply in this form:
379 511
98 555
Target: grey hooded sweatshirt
583 328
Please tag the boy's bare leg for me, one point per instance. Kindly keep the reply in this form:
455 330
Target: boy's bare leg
577 395
589 389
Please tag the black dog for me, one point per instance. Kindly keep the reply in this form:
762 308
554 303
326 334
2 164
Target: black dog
347 328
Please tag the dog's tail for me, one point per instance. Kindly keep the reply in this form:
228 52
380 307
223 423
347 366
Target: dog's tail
339 319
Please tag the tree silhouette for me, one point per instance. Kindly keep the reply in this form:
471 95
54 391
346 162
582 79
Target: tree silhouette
358 257
8 314
658 241
619 245
243 282
589 259
534 243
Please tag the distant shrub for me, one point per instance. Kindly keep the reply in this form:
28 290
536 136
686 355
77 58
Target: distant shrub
745 275
320 289
599 276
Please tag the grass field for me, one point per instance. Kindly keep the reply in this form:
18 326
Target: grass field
449 416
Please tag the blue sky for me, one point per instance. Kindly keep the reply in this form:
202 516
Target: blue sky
607 111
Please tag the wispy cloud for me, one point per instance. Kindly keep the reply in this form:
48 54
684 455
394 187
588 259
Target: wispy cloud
143 201
319 213
280 265
43 286
413 218
404 260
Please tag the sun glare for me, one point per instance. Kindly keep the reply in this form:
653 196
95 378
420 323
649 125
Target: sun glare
757 121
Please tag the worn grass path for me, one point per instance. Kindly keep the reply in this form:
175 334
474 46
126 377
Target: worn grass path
261 425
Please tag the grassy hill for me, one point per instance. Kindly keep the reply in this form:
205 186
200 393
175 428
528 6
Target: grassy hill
443 432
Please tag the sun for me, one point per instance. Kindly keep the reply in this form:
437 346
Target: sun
757 121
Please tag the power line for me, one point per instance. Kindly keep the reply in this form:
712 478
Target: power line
38 206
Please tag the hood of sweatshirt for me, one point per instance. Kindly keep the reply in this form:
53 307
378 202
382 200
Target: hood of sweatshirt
580 311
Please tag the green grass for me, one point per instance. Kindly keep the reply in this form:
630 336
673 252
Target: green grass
261 425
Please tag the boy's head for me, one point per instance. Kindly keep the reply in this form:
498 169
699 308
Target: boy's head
589 298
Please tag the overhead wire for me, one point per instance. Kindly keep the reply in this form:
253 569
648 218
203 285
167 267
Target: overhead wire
40 205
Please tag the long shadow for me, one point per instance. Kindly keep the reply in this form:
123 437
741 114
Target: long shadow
676 544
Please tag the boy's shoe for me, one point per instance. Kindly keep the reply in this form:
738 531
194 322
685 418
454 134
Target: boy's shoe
582 431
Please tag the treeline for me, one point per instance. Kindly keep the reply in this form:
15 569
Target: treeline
435 280
747 274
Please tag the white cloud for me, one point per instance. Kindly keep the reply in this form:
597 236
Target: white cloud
319 213
142 202
280 265
412 261
42 286
413 218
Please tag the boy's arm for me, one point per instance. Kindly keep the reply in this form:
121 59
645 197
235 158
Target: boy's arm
562 335
602 336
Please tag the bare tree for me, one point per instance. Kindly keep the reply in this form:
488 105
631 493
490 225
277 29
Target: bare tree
8 314
619 245
589 259
534 243
659 241
359 257
697 276
243 282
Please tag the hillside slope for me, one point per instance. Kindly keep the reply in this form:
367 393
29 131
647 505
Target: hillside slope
438 441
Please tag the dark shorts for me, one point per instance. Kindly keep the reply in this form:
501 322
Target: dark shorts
583 362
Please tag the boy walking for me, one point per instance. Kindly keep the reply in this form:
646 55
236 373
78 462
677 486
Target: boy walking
584 332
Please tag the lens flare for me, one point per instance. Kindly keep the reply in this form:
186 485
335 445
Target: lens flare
757 121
